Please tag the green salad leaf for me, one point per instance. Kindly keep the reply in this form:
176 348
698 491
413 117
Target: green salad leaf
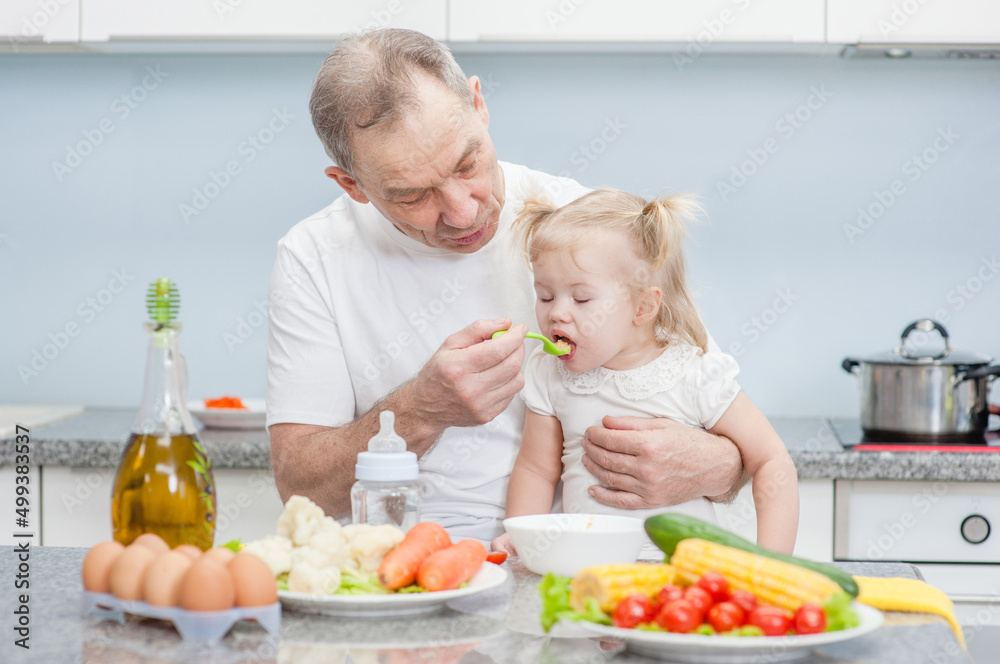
354 583
839 613
233 545
554 590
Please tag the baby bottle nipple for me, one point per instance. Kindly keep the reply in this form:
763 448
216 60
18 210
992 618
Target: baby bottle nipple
386 440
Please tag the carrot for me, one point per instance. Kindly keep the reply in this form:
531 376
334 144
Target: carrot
449 568
400 565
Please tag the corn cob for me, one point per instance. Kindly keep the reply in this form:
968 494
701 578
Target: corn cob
609 584
910 595
772 581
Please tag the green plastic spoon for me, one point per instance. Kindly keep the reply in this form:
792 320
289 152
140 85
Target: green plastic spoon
547 345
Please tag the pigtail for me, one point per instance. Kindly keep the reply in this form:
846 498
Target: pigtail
533 213
662 229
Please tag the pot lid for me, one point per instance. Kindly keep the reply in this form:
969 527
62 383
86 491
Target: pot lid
925 354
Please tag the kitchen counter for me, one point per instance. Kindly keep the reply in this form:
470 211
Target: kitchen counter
500 625
96 437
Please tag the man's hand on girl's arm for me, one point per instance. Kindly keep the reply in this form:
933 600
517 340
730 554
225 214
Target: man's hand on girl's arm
657 462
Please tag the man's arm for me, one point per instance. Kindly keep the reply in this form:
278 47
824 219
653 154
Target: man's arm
468 381
659 462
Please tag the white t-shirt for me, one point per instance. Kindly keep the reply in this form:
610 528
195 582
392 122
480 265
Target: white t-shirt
356 308
683 383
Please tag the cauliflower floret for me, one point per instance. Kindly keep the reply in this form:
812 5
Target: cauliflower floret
274 550
300 520
308 555
329 538
369 544
305 578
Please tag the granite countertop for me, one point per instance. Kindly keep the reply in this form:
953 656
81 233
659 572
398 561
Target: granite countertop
499 625
96 437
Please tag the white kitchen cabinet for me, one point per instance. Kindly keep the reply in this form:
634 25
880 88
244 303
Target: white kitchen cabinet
39 21
76 505
700 22
104 20
912 21
815 536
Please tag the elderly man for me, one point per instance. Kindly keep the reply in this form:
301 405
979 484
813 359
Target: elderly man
387 299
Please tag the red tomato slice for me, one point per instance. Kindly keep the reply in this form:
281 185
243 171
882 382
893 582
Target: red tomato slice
632 610
496 557
810 619
716 585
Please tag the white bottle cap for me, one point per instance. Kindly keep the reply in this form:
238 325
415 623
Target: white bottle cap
387 459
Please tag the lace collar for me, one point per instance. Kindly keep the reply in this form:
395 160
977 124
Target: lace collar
634 384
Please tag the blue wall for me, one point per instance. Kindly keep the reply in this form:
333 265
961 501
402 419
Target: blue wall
70 224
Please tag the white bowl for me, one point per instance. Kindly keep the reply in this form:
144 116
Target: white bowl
566 543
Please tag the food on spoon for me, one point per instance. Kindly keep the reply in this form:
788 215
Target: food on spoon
609 584
562 344
97 566
162 585
400 565
225 402
449 568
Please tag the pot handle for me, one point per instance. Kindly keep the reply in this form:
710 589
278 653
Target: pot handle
924 325
980 372
850 365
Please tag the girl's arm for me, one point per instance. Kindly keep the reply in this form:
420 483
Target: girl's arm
538 467
775 482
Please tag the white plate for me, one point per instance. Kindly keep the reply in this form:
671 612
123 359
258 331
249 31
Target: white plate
701 649
489 576
231 418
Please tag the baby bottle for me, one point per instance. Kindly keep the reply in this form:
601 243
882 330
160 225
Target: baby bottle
386 490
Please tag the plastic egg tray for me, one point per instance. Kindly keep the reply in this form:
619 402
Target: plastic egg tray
207 626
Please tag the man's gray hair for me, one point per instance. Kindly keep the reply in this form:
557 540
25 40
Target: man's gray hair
369 79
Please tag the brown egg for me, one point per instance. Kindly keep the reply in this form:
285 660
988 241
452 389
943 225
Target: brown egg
190 550
97 566
153 542
253 581
220 554
207 586
162 586
129 572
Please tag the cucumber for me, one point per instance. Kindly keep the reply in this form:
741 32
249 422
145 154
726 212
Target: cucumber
666 530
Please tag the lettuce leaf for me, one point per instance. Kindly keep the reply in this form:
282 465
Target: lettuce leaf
839 613
554 590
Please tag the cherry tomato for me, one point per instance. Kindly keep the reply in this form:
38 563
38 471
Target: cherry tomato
679 615
725 616
699 597
745 599
716 585
810 619
773 621
632 610
496 557
669 593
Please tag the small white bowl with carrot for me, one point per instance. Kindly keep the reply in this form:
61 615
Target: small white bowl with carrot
566 543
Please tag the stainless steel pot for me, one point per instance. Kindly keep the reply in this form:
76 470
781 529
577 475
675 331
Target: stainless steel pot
929 398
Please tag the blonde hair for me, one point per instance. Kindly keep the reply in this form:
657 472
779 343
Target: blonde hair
655 231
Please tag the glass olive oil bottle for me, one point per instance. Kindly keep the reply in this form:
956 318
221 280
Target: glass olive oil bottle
164 481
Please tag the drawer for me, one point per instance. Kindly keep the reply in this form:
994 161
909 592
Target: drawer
917 521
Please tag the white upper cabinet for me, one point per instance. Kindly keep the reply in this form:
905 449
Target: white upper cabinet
913 21
703 21
104 20
40 21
